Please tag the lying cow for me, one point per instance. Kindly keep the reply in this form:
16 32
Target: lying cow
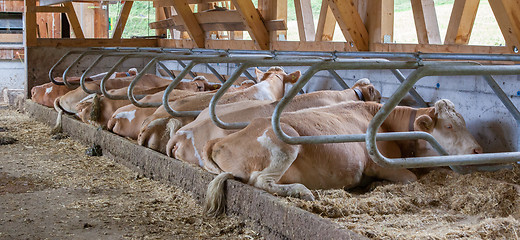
158 128
187 144
127 121
99 110
256 156
46 93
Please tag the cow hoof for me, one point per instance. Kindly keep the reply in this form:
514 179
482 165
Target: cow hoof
94 151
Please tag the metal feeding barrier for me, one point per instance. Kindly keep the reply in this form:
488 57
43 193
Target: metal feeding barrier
321 61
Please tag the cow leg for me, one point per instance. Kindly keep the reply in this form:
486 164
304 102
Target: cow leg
282 156
400 175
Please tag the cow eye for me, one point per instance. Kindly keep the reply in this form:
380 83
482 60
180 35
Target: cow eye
449 126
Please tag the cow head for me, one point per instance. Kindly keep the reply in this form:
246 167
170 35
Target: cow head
368 90
449 129
286 78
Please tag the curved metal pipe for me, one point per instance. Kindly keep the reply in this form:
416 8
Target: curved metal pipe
105 79
69 85
58 63
170 88
87 71
131 87
220 93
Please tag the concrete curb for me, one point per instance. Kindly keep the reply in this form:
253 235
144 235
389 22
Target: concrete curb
272 218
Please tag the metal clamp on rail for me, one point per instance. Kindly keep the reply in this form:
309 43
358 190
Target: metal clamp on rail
453 69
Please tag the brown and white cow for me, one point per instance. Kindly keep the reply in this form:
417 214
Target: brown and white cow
158 128
127 120
256 156
46 93
99 110
188 142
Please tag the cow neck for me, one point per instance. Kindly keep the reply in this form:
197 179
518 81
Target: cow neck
359 94
402 119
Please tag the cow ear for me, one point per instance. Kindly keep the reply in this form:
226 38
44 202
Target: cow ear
259 75
424 123
292 78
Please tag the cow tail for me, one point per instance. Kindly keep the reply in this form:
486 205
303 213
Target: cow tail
58 128
214 204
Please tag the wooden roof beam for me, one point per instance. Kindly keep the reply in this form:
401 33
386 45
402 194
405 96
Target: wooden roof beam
426 22
350 22
192 25
507 14
461 22
305 20
121 20
253 21
326 23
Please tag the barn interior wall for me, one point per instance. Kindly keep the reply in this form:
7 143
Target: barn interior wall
486 117
39 60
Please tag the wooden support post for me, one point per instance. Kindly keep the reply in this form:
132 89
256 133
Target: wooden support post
461 22
326 23
426 22
30 23
304 20
73 20
507 14
100 20
350 22
274 10
192 26
380 21
160 15
254 24
121 20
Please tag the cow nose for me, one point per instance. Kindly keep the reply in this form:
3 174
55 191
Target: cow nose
477 150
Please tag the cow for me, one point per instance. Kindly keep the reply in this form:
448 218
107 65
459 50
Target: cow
46 93
100 109
158 128
127 120
188 142
256 156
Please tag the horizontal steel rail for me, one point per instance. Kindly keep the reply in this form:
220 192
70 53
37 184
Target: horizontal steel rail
453 161
315 66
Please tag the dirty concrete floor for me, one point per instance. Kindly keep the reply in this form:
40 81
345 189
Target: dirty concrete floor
50 189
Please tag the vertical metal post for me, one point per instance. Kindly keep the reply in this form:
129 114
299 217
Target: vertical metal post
87 71
110 72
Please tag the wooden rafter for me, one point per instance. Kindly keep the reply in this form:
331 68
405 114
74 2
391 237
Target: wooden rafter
73 20
380 21
350 22
426 22
462 20
507 14
160 15
305 20
326 23
192 25
253 21
121 20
